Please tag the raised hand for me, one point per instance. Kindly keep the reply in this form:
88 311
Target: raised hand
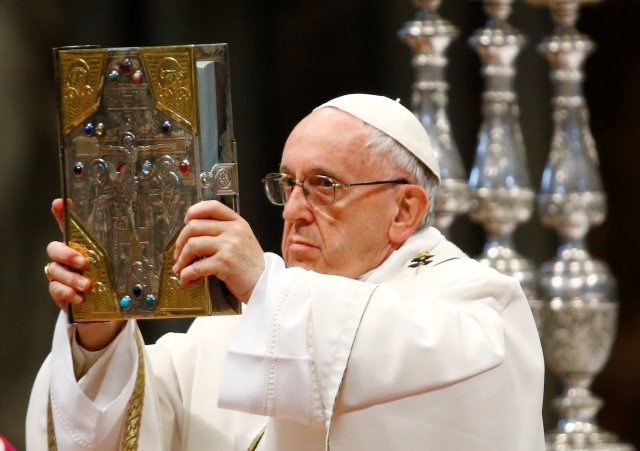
68 286
217 241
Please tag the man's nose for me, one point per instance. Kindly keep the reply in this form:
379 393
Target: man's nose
297 207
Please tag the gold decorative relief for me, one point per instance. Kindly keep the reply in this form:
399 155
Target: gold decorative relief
100 301
171 75
176 299
82 76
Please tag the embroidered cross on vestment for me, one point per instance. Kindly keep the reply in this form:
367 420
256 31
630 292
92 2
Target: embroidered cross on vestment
423 258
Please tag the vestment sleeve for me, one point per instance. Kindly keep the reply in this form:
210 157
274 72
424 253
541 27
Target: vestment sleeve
91 412
88 411
271 367
83 359
411 343
301 329
181 376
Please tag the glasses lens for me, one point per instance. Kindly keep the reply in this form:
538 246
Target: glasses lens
275 188
319 190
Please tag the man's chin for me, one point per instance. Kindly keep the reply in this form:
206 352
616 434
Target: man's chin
294 263
297 261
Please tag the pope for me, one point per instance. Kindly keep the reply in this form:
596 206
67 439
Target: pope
371 332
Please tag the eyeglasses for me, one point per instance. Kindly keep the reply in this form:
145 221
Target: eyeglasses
319 190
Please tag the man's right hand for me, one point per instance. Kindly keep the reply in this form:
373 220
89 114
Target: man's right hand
68 286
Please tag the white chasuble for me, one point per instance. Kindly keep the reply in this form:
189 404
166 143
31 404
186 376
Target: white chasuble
429 351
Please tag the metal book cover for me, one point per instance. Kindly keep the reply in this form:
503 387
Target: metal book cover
145 133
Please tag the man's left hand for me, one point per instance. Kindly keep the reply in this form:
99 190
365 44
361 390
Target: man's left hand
217 241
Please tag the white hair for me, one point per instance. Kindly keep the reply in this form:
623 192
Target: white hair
386 148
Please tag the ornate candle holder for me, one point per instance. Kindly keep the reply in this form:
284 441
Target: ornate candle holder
429 35
581 314
501 194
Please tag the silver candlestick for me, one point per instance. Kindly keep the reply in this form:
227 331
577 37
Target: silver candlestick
581 314
429 35
501 193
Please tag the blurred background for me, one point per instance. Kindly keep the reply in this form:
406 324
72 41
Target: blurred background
286 58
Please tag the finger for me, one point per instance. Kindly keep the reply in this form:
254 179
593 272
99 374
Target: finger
62 274
197 227
63 295
211 209
208 266
57 208
195 248
219 263
194 271
63 254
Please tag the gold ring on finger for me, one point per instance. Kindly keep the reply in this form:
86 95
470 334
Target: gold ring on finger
46 271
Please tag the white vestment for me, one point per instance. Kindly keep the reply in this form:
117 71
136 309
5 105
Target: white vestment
434 353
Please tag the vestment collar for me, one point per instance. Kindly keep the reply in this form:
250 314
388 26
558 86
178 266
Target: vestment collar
422 240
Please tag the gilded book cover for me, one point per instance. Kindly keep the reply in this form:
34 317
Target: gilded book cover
144 134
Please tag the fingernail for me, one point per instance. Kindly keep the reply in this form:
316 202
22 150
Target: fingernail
84 285
79 261
174 268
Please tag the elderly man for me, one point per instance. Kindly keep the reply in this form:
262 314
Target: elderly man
371 332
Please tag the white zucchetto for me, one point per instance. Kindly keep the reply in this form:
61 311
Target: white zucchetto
390 117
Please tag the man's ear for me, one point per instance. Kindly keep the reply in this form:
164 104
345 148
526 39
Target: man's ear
412 203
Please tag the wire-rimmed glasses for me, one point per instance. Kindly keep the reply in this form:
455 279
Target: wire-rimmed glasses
320 190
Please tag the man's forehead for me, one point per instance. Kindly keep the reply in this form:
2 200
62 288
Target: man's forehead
331 129
327 142
335 117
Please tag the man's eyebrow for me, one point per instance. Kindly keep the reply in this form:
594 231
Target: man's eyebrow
315 170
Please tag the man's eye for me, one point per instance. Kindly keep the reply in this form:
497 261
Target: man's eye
320 182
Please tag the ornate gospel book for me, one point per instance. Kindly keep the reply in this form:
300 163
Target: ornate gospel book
144 134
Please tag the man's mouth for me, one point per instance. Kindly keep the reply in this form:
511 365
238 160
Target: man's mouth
298 244
301 243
